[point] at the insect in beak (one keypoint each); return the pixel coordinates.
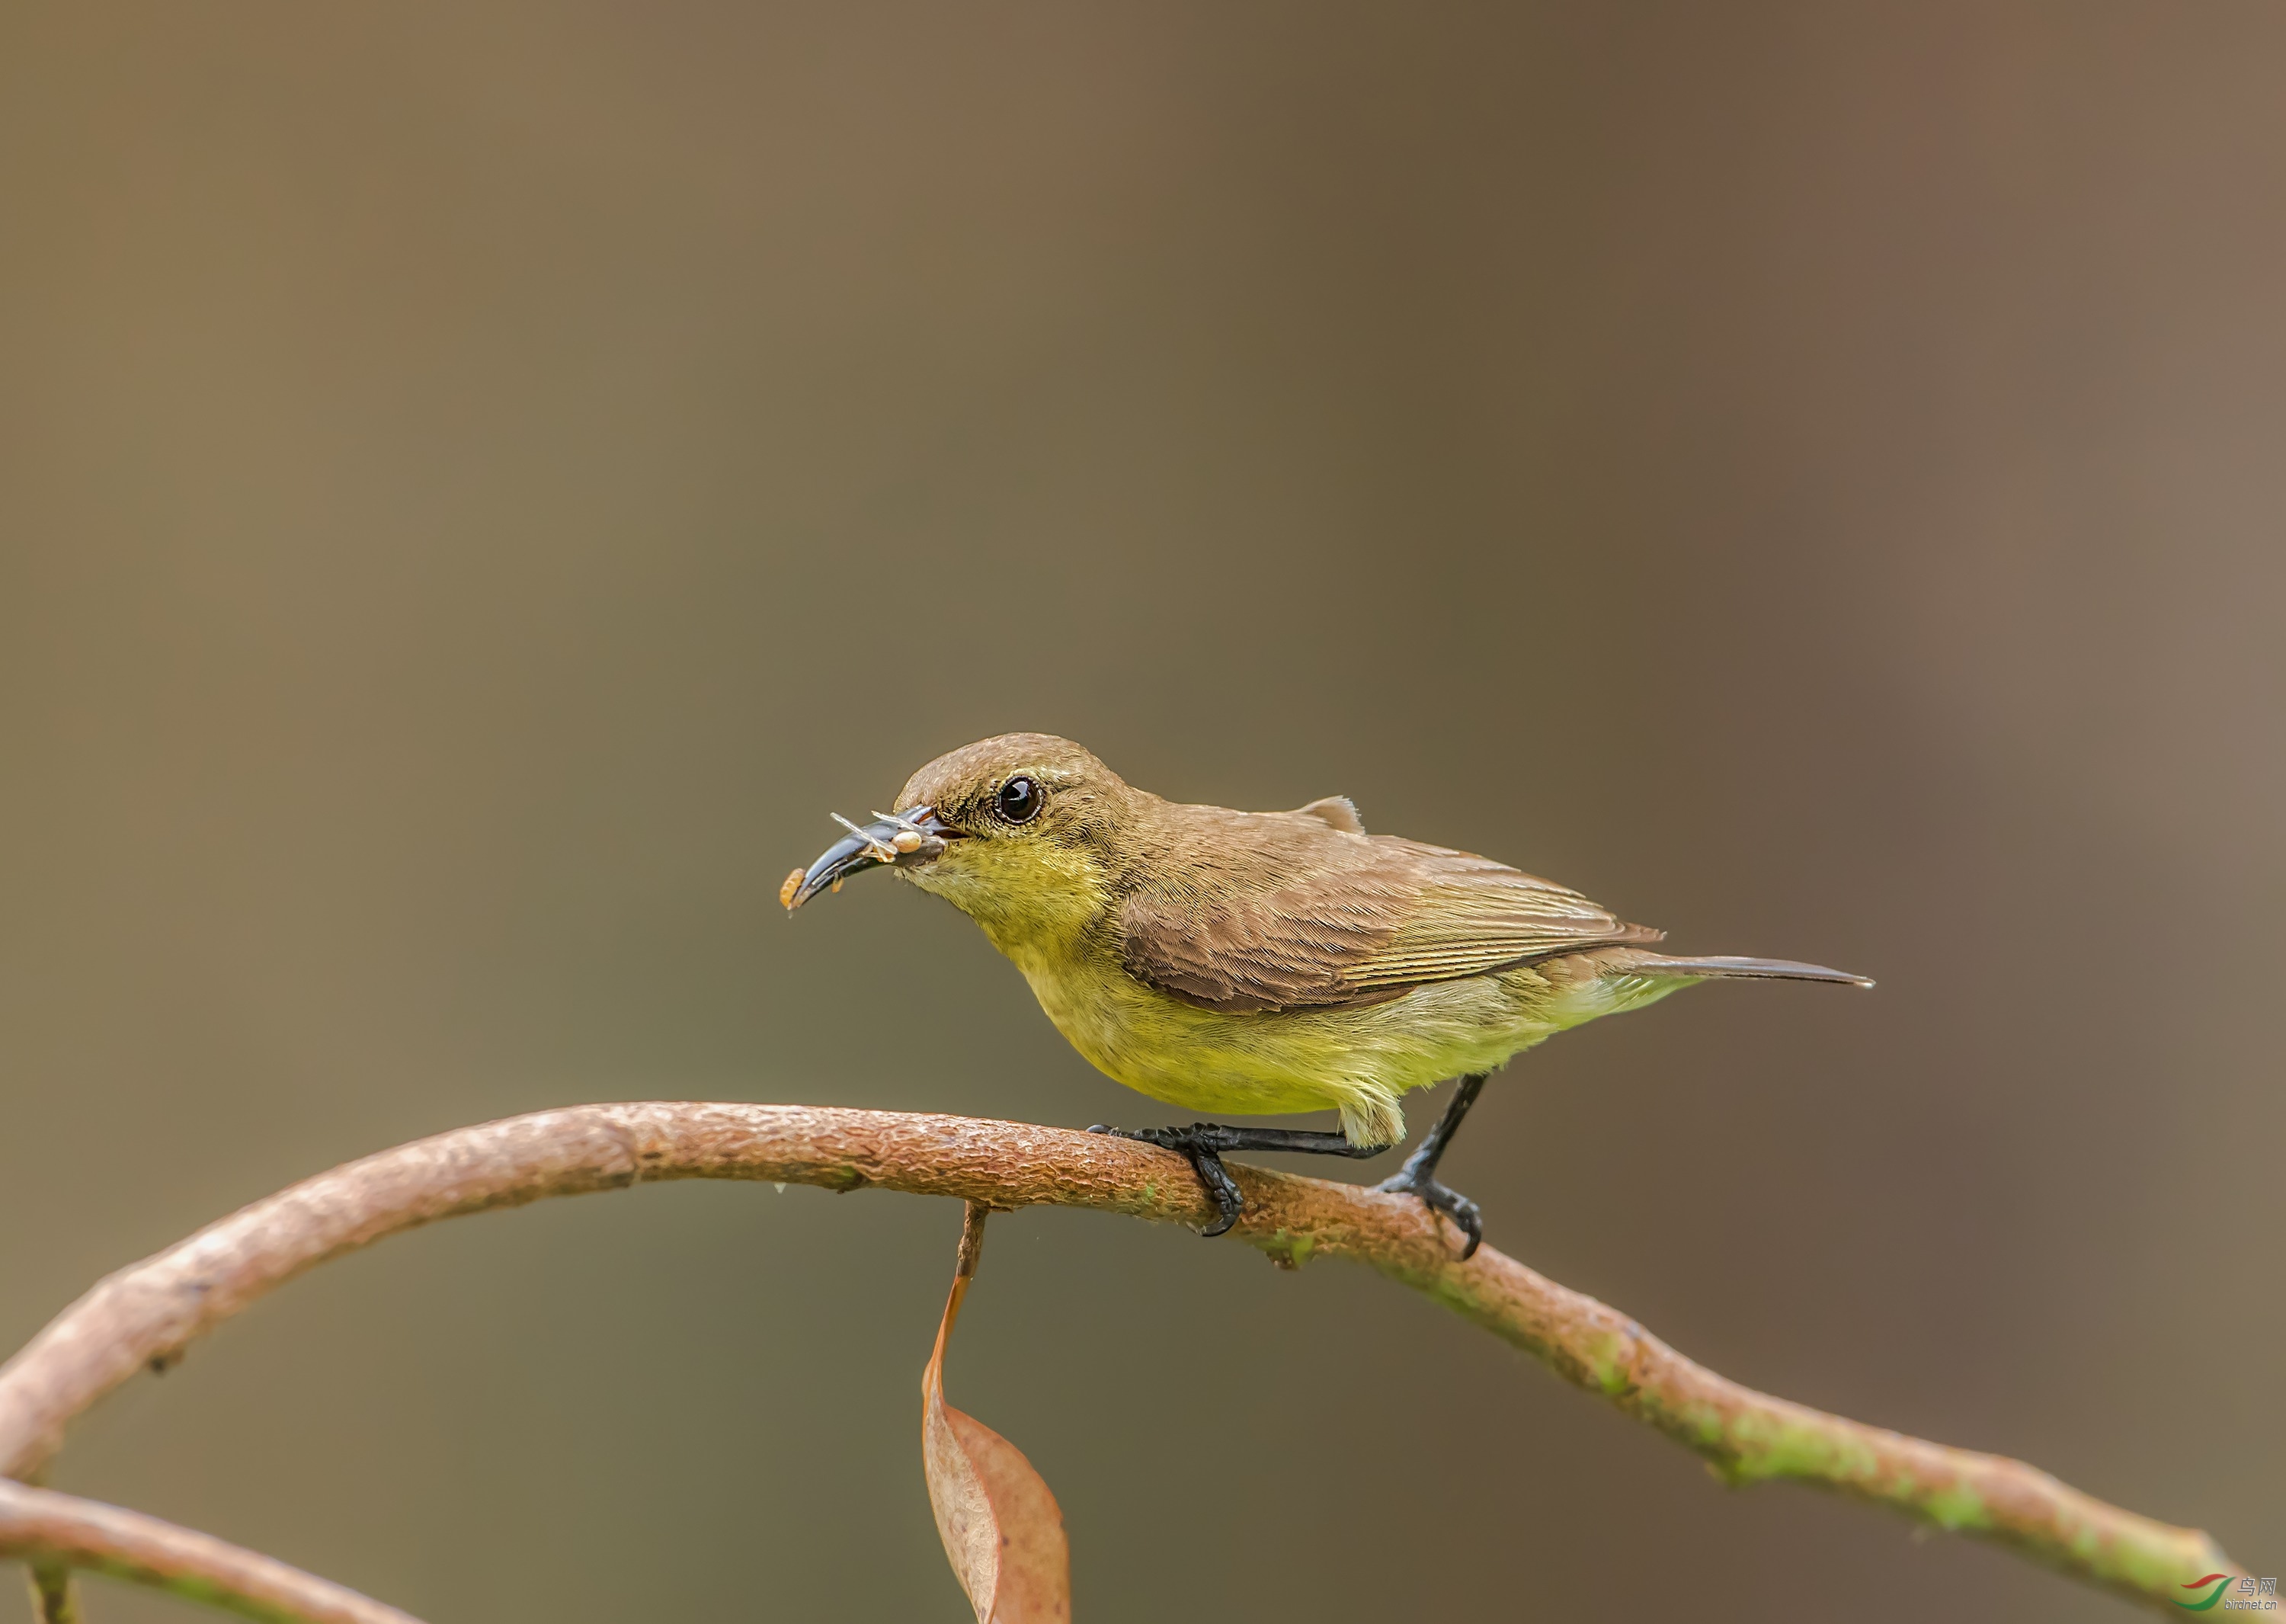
(892, 840)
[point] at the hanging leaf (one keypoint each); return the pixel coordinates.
(1003, 1532)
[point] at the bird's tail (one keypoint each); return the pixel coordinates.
(1742, 969)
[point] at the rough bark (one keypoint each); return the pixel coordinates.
(148, 1313)
(58, 1533)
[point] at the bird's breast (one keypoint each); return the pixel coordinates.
(1104, 1013)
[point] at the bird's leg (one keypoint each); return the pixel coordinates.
(1418, 1176)
(1204, 1143)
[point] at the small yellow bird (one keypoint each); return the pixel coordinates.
(1261, 962)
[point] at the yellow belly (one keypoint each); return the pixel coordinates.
(1357, 1060)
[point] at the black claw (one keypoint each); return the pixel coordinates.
(1441, 1198)
(1418, 1176)
(1200, 1144)
(1464, 1212)
(1227, 1200)
(1203, 1143)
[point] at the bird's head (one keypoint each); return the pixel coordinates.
(1017, 832)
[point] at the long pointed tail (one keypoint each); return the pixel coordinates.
(1743, 969)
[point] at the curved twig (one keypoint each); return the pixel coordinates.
(148, 1313)
(56, 1532)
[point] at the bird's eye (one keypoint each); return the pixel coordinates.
(1021, 800)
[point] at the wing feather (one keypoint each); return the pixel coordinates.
(1267, 911)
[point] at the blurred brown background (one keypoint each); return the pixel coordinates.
(478, 483)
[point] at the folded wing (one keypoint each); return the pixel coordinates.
(1348, 918)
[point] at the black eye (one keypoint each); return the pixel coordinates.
(1020, 799)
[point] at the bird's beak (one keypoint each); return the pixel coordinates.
(905, 839)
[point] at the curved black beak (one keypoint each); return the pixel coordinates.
(905, 839)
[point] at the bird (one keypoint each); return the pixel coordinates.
(1262, 963)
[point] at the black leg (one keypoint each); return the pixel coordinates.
(1204, 1143)
(1418, 1176)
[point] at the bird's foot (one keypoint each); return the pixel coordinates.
(1204, 1143)
(1440, 1198)
(1200, 1143)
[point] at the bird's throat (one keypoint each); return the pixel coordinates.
(1041, 908)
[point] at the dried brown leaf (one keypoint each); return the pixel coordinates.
(1002, 1531)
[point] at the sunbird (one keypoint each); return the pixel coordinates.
(1262, 963)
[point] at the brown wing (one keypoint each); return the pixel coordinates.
(1323, 917)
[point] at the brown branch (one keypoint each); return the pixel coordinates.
(56, 1533)
(149, 1314)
